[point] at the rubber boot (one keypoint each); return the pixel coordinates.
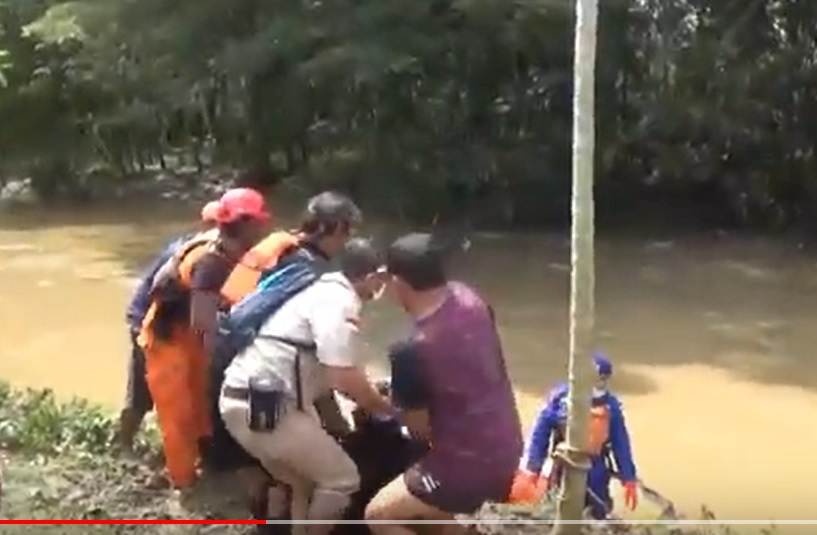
(262, 509)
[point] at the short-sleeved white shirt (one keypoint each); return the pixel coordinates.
(326, 314)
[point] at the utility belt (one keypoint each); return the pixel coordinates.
(267, 403)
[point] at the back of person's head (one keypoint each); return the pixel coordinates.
(418, 260)
(328, 212)
(359, 259)
(210, 214)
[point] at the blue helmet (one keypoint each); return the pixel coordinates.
(603, 365)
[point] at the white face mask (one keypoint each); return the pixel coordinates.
(599, 392)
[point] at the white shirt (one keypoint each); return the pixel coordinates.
(326, 314)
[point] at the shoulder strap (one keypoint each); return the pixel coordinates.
(173, 268)
(192, 255)
(299, 346)
(247, 272)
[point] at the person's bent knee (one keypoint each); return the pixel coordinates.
(332, 496)
(376, 512)
(345, 481)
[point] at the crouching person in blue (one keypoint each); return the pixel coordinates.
(609, 444)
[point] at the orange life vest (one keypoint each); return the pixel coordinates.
(170, 293)
(191, 253)
(177, 270)
(599, 429)
(265, 255)
(173, 282)
(599, 432)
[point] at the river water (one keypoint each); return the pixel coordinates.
(712, 338)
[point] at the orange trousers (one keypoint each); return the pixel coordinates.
(177, 376)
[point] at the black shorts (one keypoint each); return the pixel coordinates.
(137, 393)
(454, 496)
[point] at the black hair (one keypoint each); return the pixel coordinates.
(359, 258)
(327, 211)
(235, 229)
(419, 260)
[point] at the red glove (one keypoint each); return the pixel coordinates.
(630, 494)
(527, 488)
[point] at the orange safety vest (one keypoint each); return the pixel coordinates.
(599, 429)
(174, 280)
(192, 252)
(265, 255)
(172, 269)
(599, 434)
(171, 287)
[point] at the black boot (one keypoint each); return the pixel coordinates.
(260, 510)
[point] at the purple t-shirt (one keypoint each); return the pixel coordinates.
(475, 426)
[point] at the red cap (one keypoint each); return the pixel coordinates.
(210, 211)
(242, 202)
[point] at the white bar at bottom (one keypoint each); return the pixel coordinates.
(531, 522)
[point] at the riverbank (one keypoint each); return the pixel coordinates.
(59, 464)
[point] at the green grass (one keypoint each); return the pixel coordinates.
(34, 422)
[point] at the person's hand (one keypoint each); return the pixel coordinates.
(630, 494)
(383, 387)
(527, 488)
(527, 476)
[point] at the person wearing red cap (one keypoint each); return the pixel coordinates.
(209, 214)
(180, 327)
(243, 220)
(137, 396)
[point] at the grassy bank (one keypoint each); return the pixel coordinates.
(61, 463)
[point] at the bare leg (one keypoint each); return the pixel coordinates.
(395, 502)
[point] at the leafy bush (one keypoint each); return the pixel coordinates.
(36, 422)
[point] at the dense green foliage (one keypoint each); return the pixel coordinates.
(425, 105)
(35, 422)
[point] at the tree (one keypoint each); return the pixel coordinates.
(431, 106)
(582, 279)
(4, 64)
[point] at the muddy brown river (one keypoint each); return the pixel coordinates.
(713, 339)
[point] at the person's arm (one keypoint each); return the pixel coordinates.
(410, 389)
(541, 434)
(334, 322)
(353, 383)
(620, 442)
(207, 278)
(331, 415)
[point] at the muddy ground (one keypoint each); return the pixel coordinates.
(60, 464)
(101, 487)
(98, 487)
